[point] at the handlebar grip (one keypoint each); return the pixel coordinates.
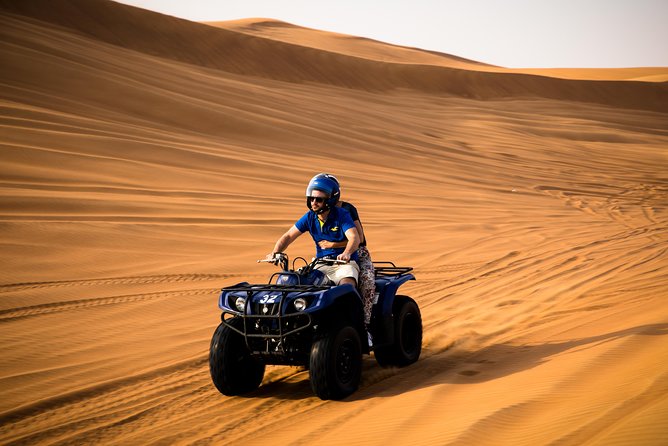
(336, 261)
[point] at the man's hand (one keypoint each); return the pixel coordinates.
(343, 257)
(325, 244)
(271, 257)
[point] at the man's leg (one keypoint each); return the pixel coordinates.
(347, 273)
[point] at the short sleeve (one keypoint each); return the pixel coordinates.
(302, 223)
(346, 221)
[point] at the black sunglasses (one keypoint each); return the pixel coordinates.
(317, 199)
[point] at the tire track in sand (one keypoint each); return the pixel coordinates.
(130, 280)
(57, 307)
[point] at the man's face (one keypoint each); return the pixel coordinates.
(317, 200)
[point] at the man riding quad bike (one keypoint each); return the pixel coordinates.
(299, 318)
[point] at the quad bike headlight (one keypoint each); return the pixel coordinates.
(300, 304)
(240, 303)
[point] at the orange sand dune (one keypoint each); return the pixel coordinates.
(147, 161)
(249, 55)
(371, 49)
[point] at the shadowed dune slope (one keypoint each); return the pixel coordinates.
(146, 161)
(245, 54)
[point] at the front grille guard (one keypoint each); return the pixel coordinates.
(281, 333)
(281, 318)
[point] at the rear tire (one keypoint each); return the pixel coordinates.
(335, 366)
(407, 345)
(233, 370)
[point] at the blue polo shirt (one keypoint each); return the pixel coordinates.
(333, 230)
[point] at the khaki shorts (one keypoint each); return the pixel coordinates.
(336, 273)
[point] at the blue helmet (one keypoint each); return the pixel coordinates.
(324, 183)
(326, 175)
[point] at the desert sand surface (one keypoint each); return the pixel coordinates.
(147, 161)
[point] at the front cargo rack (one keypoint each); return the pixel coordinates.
(275, 287)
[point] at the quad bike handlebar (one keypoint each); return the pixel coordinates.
(282, 259)
(279, 258)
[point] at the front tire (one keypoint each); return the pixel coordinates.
(335, 366)
(407, 345)
(233, 370)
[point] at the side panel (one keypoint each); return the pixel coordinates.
(328, 297)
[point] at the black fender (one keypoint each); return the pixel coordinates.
(338, 306)
(382, 320)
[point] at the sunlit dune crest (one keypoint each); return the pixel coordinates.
(371, 49)
(148, 161)
(344, 44)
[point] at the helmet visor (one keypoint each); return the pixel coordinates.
(310, 190)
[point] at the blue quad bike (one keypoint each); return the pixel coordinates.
(299, 319)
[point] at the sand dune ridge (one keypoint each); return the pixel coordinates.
(246, 54)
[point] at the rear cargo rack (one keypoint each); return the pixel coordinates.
(389, 269)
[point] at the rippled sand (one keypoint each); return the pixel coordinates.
(146, 161)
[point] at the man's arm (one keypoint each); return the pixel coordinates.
(353, 243)
(285, 240)
(326, 244)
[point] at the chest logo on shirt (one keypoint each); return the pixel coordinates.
(335, 228)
